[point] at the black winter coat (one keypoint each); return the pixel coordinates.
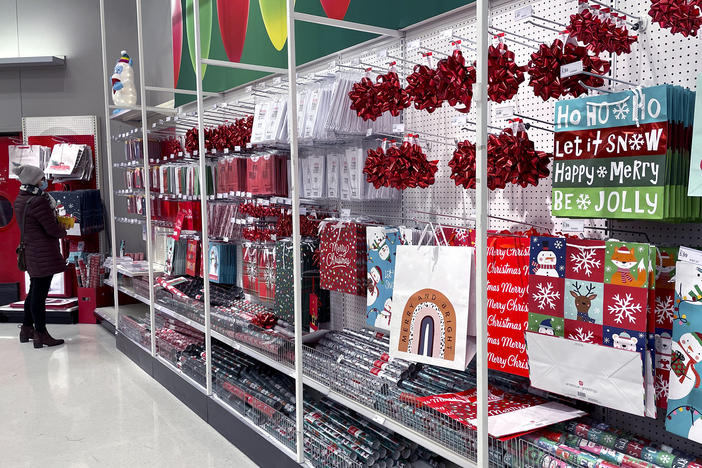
(41, 235)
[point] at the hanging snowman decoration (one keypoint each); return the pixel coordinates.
(546, 262)
(685, 354)
(123, 89)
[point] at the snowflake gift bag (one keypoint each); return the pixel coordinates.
(547, 267)
(382, 247)
(343, 257)
(684, 416)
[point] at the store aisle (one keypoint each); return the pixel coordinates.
(85, 404)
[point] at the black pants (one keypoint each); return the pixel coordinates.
(35, 303)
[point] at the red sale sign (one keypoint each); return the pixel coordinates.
(508, 315)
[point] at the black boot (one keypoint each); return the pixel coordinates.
(43, 338)
(26, 333)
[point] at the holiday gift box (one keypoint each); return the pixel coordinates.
(343, 257)
(431, 305)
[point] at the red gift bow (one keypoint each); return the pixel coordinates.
(453, 81)
(392, 97)
(308, 226)
(545, 70)
(401, 167)
(228, 136)
(258, 211)
(364, 99)
(600, 35)
(264, 320)
(511, 159)
(504, 75)
(679, 16)
(172, 146)
(421, 90)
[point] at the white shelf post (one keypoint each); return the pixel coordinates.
(147, 181)
(297, 267)
(108, 148)
(201, 150)
(481, 225)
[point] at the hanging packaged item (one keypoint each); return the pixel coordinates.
(85, 207)
(249, 273)
(382, 245)
(315, 301)
(343, 257)
(266, 273)
(31, 155)
(684, 417)
(431, 305)
(192, 258)
(585, 294)
(222, 263)
(663, 313)
(624, 156)
(507, 260)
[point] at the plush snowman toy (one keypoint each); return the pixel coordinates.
(123, 89)
(685, 353)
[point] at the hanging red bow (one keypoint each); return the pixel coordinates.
(504, 75)
(680, 16)
(453, 81)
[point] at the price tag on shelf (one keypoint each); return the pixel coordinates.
(504, 112)
(248, 195)
(180, 153)
(249, 89)
(239, 193)
(573, 226)
(459, 120)
(447, 34)
(237, 148)
(398, 128)
(168, 119)
(414, 45)
(303, 210)
(276, 80)
(378, 419)
(523, 13)
(226, 151)
(345, 213)
(690, 255)
(226, 239)
(249, 145)
(264, 202)
(571, 69)
(249, 220)
(369, 132)
(236, 346)
(381, 54)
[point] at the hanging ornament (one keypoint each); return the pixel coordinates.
(504, 75)
(680, 16)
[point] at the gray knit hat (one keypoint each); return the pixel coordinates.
(30, 175)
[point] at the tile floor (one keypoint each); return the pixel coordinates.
(85, 404)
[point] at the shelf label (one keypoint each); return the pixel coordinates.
(369, 132)
(378, 419)
(226, 151)
(237, 148)
(690, 255)
(249, 145)
(573, 225)
(447, 33)
(571, 69)
(414, 45)
(345, 212)
(523, 13)
(504, 112)
(398, 128)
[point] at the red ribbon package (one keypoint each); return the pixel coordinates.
(504, 75)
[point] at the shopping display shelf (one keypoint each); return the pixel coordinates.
(248, 422)
(182, 374)
(373, 415)
(108, 318)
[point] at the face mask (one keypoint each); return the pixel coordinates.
(43, 185)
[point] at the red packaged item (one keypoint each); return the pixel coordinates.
(192, 257)
(249, 274)
(266, 273)
(343, 257)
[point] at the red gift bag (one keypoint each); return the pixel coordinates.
(343, 257)
(249, 275)
(266, 273)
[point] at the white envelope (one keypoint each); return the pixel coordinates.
(597, 374)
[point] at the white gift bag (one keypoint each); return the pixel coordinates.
(431, 305)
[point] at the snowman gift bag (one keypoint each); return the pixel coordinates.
(684, 416)
(382, 246)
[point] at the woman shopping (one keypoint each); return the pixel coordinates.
(40, 230)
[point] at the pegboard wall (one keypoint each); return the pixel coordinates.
(657, 58)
